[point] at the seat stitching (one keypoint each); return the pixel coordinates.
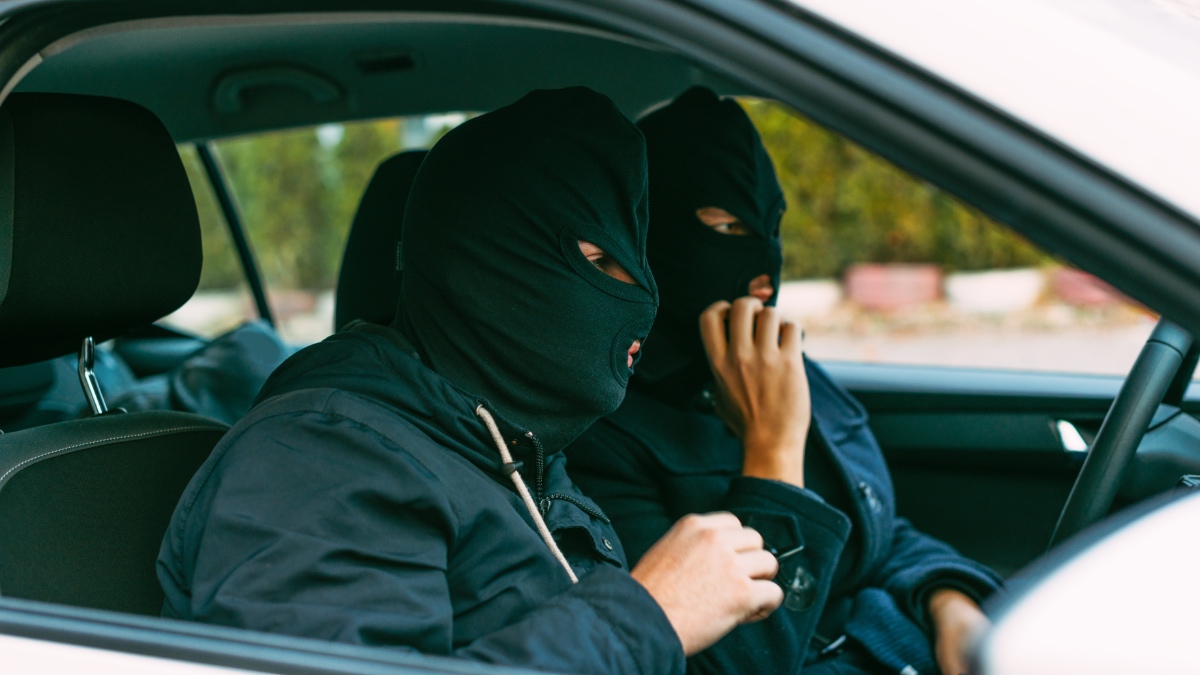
(103, 440)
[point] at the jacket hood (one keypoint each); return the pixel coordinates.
(378, 363)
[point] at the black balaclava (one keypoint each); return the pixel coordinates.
(703, 151)
(496, 294)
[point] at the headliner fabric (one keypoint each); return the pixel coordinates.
(98, 231)
(704, 151)
(496, 294)
(369, 282)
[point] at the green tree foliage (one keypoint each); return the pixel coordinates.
(846, 206)
(221, 269)
(297, 195)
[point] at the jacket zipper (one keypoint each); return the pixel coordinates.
(540, 485)
(595, 513)
(540, 463)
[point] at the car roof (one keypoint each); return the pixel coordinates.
(209, 77)
(1116, 80)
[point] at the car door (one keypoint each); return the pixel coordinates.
(978, 457)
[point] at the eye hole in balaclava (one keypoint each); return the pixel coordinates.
(496, 295)
(604, 262)
(704, 152)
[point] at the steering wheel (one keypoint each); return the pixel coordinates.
(1123, 428)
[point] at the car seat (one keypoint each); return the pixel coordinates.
(99, 234)
(369, 282)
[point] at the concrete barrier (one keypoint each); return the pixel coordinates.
(995, 291)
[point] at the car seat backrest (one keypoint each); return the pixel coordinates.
(98, 235)
(369, 282)
(84, 505)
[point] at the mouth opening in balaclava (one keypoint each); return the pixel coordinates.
(703, 152)
(496, 295)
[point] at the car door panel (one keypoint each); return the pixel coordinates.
(977, 457)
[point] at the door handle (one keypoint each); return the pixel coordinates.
(1072, 440)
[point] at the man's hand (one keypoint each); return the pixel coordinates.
(957, 622)
(762, 389)
(709, 574)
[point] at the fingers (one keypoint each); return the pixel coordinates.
(730, 529)
(744, 539)
(741, 322)
(718, 520)
(791, 338)
(766, 597)
(712, 329)
(758, 564)
(766, 332)
(747, 323)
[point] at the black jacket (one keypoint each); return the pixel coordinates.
(650, 463)
(361, 500)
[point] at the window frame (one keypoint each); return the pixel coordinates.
(237, 232)
(217, 646)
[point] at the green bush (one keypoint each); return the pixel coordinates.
(297, 196)
(847, 206)
(222, 269)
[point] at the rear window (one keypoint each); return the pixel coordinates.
(296, 192)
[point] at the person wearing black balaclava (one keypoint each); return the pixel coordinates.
(403, 485)
(724, 412)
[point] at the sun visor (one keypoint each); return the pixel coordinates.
(98, 227)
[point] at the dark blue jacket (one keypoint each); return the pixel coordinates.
(650, 463)
(361, 500)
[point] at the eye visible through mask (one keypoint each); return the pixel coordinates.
(605, 263)
(721, 221)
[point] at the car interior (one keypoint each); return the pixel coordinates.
(104, 242)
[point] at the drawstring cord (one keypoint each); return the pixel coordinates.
(522, 490)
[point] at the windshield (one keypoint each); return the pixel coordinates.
(1117, 80)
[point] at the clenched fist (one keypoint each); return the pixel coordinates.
(710, 574)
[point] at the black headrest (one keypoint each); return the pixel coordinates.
(369, 282)
(98, 227)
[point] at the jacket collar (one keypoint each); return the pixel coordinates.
(379, 363)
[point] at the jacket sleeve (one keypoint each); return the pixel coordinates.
(619, 474)
(315, 525)
(918, 564)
